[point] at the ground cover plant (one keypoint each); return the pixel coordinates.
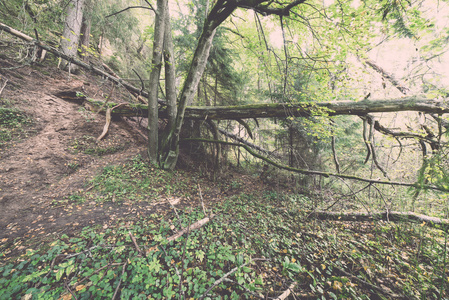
(258, 244)
(13, 123)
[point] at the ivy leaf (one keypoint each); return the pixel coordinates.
(59, 274)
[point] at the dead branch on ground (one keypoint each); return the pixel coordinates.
(3, 87)
(194, 226)
(392, 216)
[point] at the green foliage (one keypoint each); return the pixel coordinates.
(132, 182)
(88, 145)
(46, 16)
(12, 124)
(330, 260)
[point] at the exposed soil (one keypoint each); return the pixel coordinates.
(39, 171)
(46, 166)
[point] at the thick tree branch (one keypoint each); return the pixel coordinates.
(266, 10)
(325, 174)
(283, 110)
(388, 76)
(249, 144)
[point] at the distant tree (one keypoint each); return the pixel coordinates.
(72, 30)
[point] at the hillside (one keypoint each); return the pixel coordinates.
(81, 219)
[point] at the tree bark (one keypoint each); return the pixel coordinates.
(156, 64)
(71, 33)
(85, 38)
(170, 147)
(170, 73)
(284, 110)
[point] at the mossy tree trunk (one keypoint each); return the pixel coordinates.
(221, 10)
(71, 33)
(170, 146)
(156, 64)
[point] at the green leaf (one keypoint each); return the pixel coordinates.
(59, 274)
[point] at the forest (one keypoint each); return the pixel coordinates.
(225, 149)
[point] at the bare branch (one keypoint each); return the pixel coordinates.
(320, 173)
(130, 7)
(226, 275)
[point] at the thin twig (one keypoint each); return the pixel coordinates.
(176, 213)
(174, 265)
(226, 275)
(181, 292)
(70, 291)
(129, 7)
(135, 243)
(369, 285)
(201, 197)
(260, 296)
(3, 87)
(141, 82)
(287, 292)
(120, 281)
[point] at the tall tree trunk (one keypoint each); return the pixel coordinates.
(71, 33)
(156, 64)
(170, 73)
(170, 147)
(85, 37)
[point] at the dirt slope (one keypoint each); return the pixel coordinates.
(46, 166)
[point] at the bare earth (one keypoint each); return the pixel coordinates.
(37, 171)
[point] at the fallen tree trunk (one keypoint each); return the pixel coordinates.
(392, 216)
(281, 110)
(75, 61)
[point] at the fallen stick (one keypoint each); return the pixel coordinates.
(135, 242)
(369, 285)
(3, 87)
(194, 226)
(108, 121)
(226, 275)
(394, 216)
(120, 281)
(287, 292)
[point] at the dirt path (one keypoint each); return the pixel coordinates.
(46, 166)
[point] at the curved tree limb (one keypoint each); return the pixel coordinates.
(246, 126)
(249, 144)
(365, 139)
(325, 174)
(334, 154)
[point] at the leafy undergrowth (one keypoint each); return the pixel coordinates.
(12, 123)
(253, 247)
